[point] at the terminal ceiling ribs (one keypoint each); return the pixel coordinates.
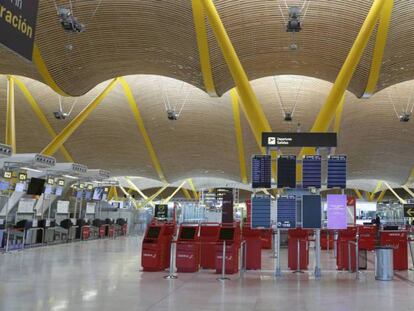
(127, 37)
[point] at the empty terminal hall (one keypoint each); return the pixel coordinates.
(202, 155)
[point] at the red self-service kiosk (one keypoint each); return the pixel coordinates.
(188, 249)
(209, 236)
(253, 248)
(398, 240)
(231, 236)
(344, 236)
(156, 247)
(298, 237)
(367, 237)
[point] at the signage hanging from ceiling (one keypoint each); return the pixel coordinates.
(18, 24)
(299, 139)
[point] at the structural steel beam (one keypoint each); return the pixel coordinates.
(408, 191)
(187, 194)
(10, 115)
(328, 110)
(175, 192)
(140, 123)
(41, 116)
(67, 132)
(358, 193)
(42, 69)
(203, 49)
(395, 193)
(191, 184)
(250, 104)
(239, 134)
(380, 43)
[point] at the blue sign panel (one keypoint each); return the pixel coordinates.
(337, 172)
(261, 212)
(286, 171)
(311, 212)
(311, 171)
(261, 171)
(286, 212)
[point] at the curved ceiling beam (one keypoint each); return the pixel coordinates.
(42, 69)
(141, 126)
(380, 43)
(344, 77)
(203, 49)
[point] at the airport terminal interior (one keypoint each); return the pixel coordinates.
(206, 155)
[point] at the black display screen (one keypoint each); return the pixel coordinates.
(261, 171)
(286, 171)
(187, 233)
(153, 232)
(36, 186)
(226, 234)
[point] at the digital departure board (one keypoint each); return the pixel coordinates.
(312, 171)
(261, 171)
(286, 212)
(286, 171)
(260, 212)
(337, 171)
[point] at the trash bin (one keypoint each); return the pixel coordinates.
(384, 263)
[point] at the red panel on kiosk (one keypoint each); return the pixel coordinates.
(209, 235)
(295, 235)
(398, 241)
(188, 249)
(253, 248)
(367, 237)
(344, 236)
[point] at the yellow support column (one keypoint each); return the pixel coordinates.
(63, 136)
(203, 50)
(141, 126)
(250, 104)
(380, 43)
(328, 110)
(10, 115)
(239, 134)
(41, 116)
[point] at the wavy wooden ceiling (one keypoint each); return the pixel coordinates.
(158, 37)
(202, 142)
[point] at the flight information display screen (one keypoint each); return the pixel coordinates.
(261, 171)
(286, 171)
(312, 171)
(337, 171)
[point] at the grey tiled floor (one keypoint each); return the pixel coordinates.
(105, 275)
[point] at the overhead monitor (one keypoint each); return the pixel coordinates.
(261, 171)
(286, 171)
(312, 171)
(36, 186)
(337, 172)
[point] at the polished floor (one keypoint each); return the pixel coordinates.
(106, 275)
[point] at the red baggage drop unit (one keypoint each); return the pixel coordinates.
(156, 246)
(253, 248)
(398, 240)
(230, 234)
(188, 249)
(293, 236)
(344, 236)
(367, 237)
(209, 235)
